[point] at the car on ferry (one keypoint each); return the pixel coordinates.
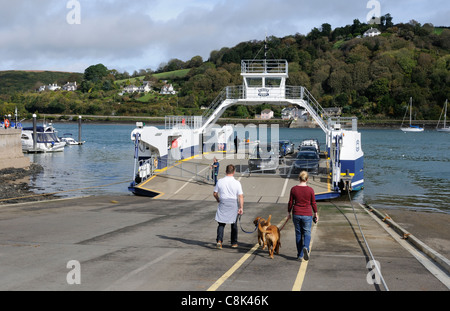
(310, 143)
(286, 147)
(263, 158)
(306, 161)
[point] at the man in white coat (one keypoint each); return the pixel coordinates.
(228, 193)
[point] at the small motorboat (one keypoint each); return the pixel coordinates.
(70, 141)
(46, 140)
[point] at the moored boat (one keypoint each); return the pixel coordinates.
(46, 140)
(410, 128)
(67, 138)
(445, 127)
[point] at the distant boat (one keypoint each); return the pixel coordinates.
(445, 128)
(410, 128)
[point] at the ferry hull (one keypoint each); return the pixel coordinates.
(356, 170)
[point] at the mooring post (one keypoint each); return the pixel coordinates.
(79, 130)
(34, 132)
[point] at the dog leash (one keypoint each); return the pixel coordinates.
(240, 224)
(287, 219)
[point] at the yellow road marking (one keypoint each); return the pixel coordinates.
(302, 271)
(236, 266)
(233, 269)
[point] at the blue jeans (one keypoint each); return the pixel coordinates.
(234, 233)
(302, 225)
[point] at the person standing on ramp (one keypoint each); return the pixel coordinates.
(228, 193)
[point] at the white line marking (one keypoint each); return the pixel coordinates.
(139, 270)
(286, 182)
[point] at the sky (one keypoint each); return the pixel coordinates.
(71, 35)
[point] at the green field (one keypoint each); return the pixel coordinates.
(177, 74)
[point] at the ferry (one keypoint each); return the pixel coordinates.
(185, 138)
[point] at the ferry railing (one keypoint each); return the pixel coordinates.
(199, 172)
(192, 122)
(146, 169)
(229, 92)
(289, 92)
(275, 66)
(217, 101)
(300, 92)
(343, 123)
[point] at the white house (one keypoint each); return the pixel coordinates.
(50, 87)
(70, 86)
(53, 87)
(130, 88)
(266, 114)
(372, 32)
(145, 87)
(291, 113)
(167, 89)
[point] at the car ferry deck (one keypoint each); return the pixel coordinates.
(191, 179)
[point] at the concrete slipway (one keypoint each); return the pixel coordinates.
(136, 243)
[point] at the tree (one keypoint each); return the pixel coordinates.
(195, 61)
(95, 73)
(314, 34)
(326, 30)
(175, 64)
(242, 112)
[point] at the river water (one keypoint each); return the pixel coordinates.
(401, 170)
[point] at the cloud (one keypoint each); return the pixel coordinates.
(130, 35)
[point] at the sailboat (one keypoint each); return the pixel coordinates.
(445, 128)
(411, 128)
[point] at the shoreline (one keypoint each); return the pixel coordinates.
(15, 185)
(131, 120)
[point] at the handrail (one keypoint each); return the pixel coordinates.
(270, 66)
(290, 92)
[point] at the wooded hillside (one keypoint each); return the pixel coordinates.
(371, 77)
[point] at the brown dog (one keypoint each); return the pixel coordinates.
(273, 238)
(264, 224)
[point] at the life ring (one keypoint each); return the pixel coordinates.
(174, 143)
(7, 123)
(155, 163)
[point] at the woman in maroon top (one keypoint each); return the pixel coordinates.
(302, 203)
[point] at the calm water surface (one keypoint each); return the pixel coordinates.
(402, 170)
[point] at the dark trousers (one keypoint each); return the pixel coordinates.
(234, 233)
